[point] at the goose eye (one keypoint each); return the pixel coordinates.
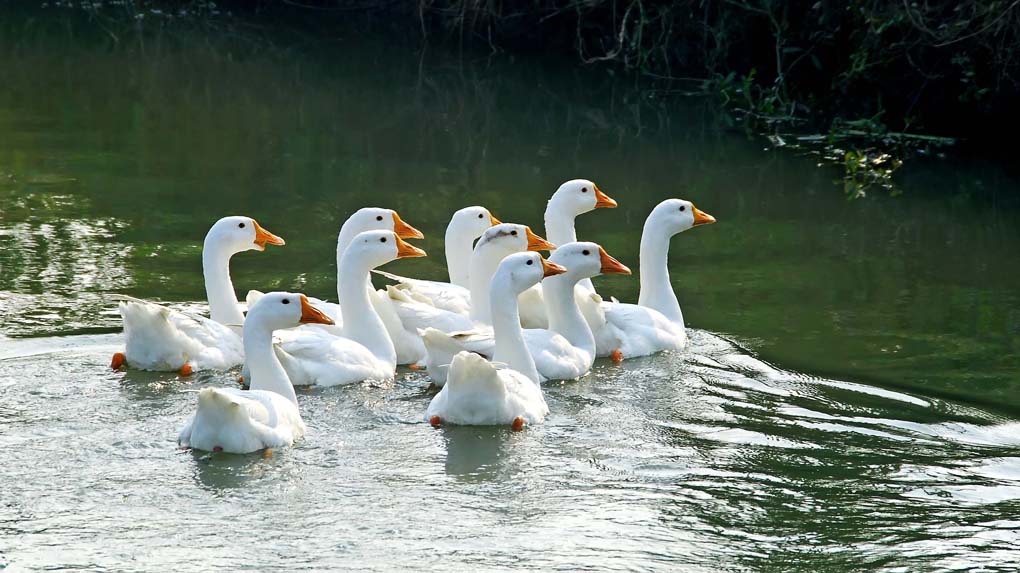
(378, 217)
(382, 239)
(531, 262)
(481, 216)
(514, 233)
(240, 225)
(584, 189)
(285, 301)
(586, 252)
(683, 208)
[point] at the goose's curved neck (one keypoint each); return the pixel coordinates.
(219, 290)
(507, 331)
(656, 290)
(559, 223)
(265, 369)
(565, 317)
(458, 254)
(361, 321)
(343, 240)
(484, 262)
(559, 229)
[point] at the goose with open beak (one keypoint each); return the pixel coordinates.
(161, 339)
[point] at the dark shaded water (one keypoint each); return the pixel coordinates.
(849, 401)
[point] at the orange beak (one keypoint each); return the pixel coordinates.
(264, 237)
(312, 315)
(493, 220)
(405, 231)
(701, 217)
(611, 266)
(602, 200)
(536, 243)
(407, 250)
(550, 268)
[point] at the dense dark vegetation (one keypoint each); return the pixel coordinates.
(901, 66)
(939, 66)
(891, 68)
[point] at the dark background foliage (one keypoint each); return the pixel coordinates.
(934, 66)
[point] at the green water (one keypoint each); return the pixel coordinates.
(849, 401)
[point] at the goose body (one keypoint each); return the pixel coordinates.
(266, 416)
(241, 421)
(565, 351)
(161, 339)
(480, 392)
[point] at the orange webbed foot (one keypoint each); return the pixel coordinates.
(436, 421)
(518, 424)
(616, 356)
(118, 360)
(185, 370)
(414, 367)
(240, 380)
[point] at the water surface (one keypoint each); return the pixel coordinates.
(849, 401)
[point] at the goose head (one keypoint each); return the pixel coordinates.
(585, 260)
(579, 196)
(279, 310)
(677, 215)
(521, 271)
(238, 234)
(512, 238)
(376, 248)
(472, 221)
(379, 219)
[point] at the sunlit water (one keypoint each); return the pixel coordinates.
(848, 402)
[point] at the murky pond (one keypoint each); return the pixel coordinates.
(849, 402)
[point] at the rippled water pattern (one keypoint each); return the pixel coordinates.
(898, 452)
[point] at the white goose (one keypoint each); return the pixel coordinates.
(566, 350)
(656, 322)
(266, 416)
(364, 351)
(161, 339)
(465, 226)
(480, 392)
(573, 198)
(366, 219)
(496, 243)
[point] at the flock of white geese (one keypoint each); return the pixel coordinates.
(507, 320)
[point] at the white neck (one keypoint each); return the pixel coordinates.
(559, 230)
(484, 262)
(656, 290)
(343, 240)
(565, 317)
(458, 254)
(218, 288)
(361, 322)
(507, 331)
(559, 223)
(265, 369)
